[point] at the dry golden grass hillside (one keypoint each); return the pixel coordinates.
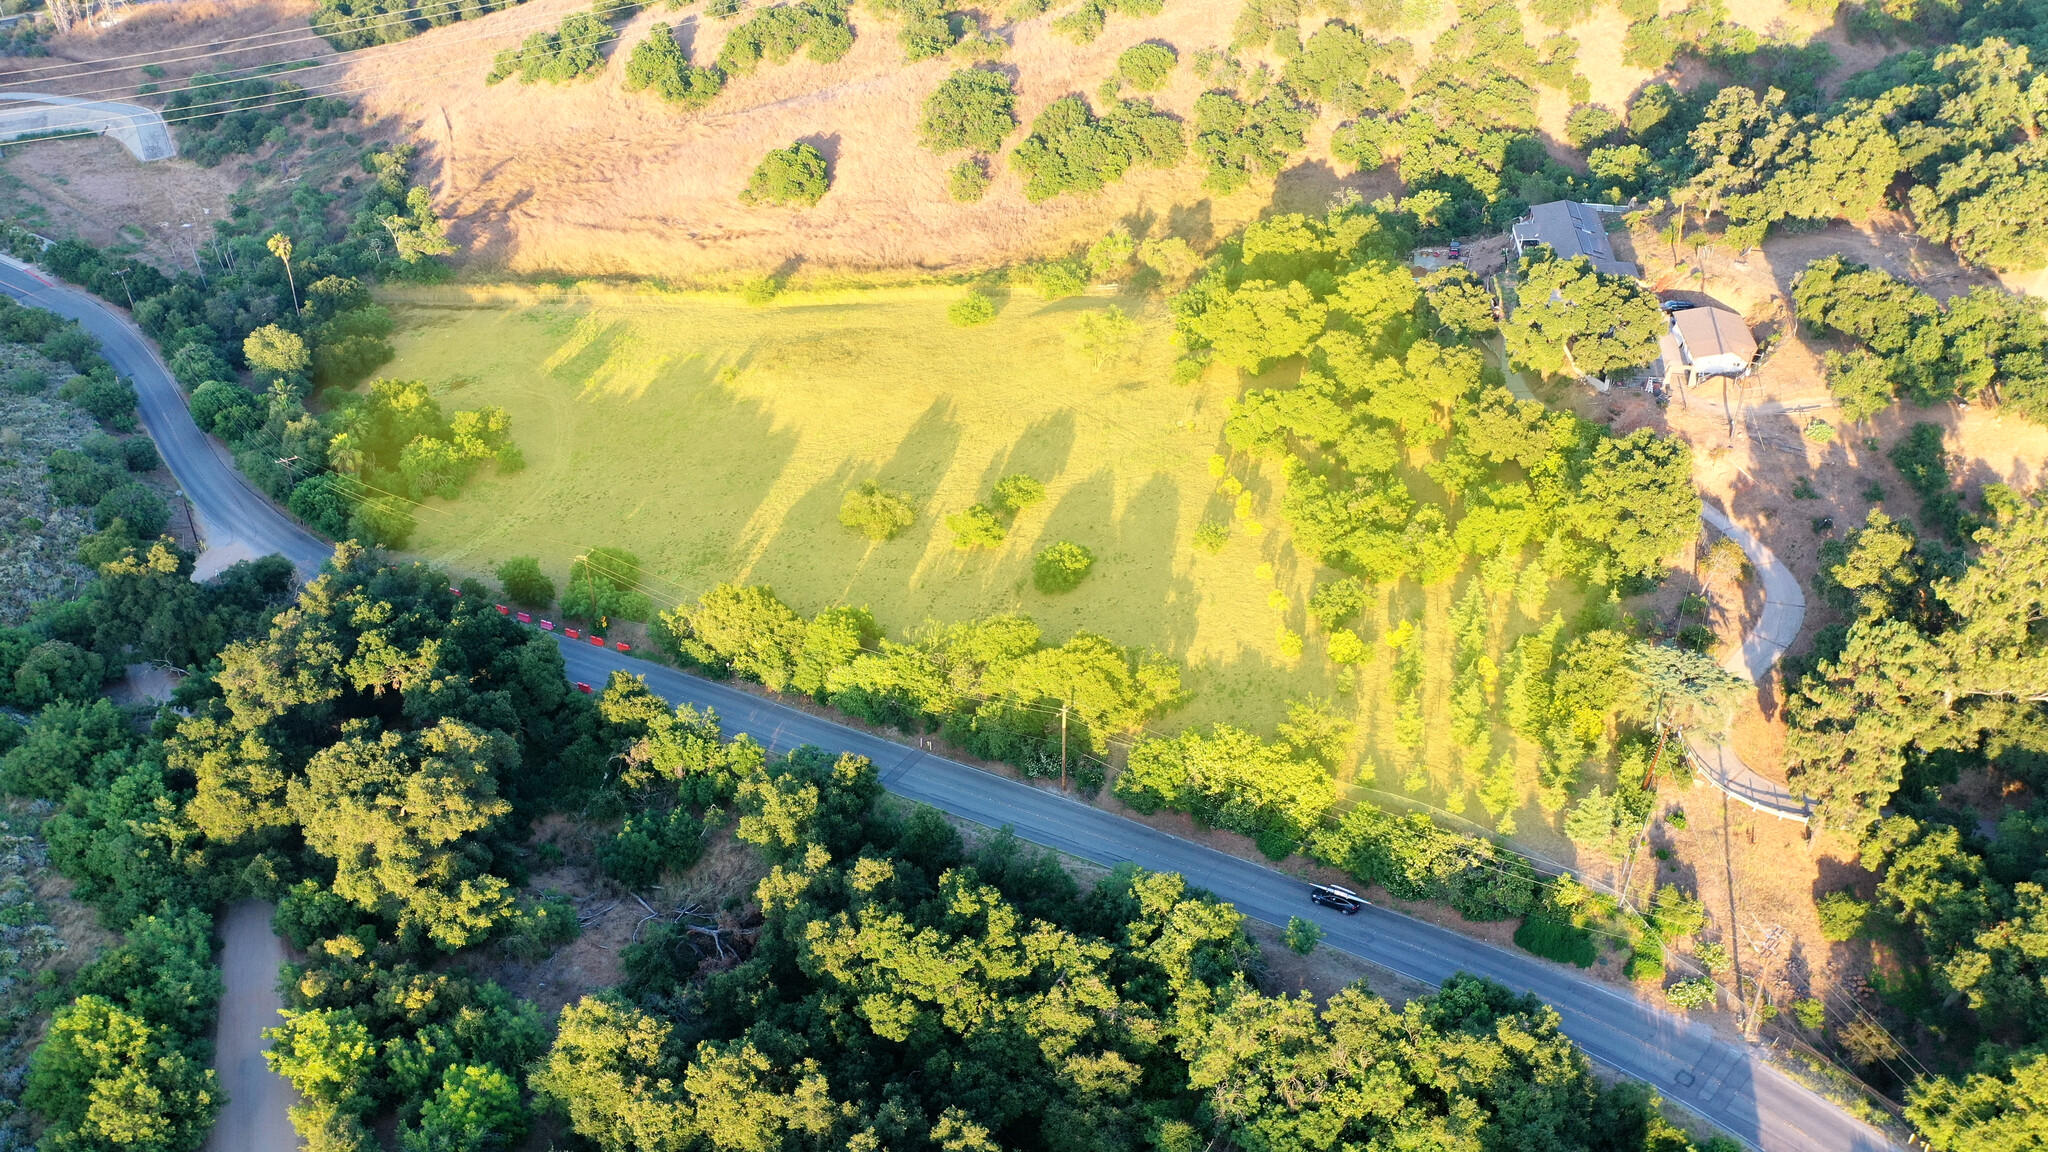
(590, 179)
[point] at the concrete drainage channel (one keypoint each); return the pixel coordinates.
(34, 115)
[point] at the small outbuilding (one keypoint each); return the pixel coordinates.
(1571, 229)
(1706, 340)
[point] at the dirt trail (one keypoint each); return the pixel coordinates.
(255, 1119)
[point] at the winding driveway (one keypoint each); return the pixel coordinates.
(1685, 1060)
(1784, 612)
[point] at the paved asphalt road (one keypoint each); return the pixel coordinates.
(1682, 1059)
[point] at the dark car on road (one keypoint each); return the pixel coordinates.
(1341, 899)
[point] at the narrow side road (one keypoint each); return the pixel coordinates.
(257, 1117)
(1684, 1060)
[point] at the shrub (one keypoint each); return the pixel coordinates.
(559, 55)
(525, 583)
(1060, 567)
(972, 309)
(1017, 491)
(1336, 602)
(605, 583)
(1861, 383)
(1677, 914)
(760, 291)
(1238, 140)
(1288, 643)
(1070, 150)
(1820, 431)
(224, 409)
(76, 478)
(108, 398)
(975, 528)
(141, 508)
(1812, 1014)
(1842, 916)
(974, 109)
(138, 454)
(1302, 936)
(27, 381)
(1059, 279)
(1645, 963)
(1555, 940)
(776, 34)
(875, 512)
(792, 175)
(1172, 257)
(1146, 67)
(658, 62)
(1346, 647)
(1697, 992)
(1590, 125)
(1212, 537)
(1714, 955)
(967, 182)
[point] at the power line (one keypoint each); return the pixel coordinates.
(527, 21)
(289, 35)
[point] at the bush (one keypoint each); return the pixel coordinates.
(760, 291)
(220, 407)
(972, 309)
(1591, 125)
(1842, 916)
(1645, 963)
(658, 62)
(1060, 567)
(1071, 151)
(138, 454)
(973, 109)
(141, 508)
(1059, 279)
(792, 175)
(1017, 491)
(776, 34)
(968, 180)
(1553, 940)
(1714, 955)
(525, 583)
(108, 398)
(876, 512)
(1146, 67)
(604, 583)
(1346, 647)
(1812, 1014)
(567, 52)
(76, 478)
(1302, 936)
(975, 528)
(1697, 992)
(1212, 537)
(56, 670)
(27, 381)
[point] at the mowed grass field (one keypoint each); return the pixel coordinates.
(715, 440)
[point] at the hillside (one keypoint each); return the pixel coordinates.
(588, 178)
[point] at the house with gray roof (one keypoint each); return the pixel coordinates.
(1571, 229)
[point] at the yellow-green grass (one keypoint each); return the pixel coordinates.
(716, 440)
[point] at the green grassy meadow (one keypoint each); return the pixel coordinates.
(716, 440)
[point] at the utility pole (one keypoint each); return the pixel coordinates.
(1063, 745)
(123, 274)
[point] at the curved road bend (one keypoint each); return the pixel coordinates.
(1681, 1058)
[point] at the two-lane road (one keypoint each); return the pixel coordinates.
(1682, 1059)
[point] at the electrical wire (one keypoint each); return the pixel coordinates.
(290, 35)
(527, 21)
(317, 91)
